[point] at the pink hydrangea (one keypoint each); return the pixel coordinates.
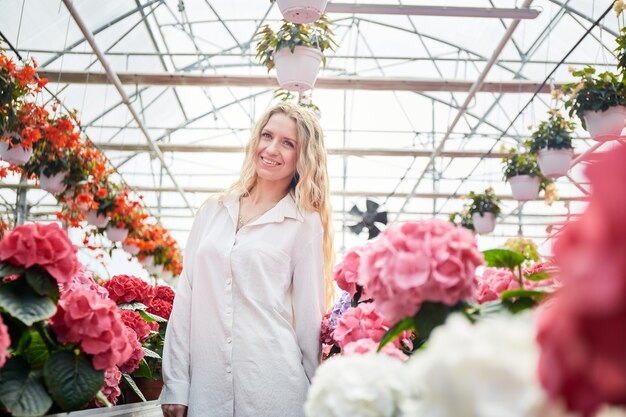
(346, 273)
(5, 342)
(134, 321)
(137, 354)
(493, 282)
(83, 279)
(160, 308)
(127, 288)
(111, 388)
(46, 245)
(419, 261)
(363, 322)
(83, 317)
(326, 331)
(363, 346)
(165, 293)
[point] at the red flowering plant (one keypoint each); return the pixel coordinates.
(127, 213)
(145, 310)
(63, 334)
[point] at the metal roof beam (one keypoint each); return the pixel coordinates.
(442, 11)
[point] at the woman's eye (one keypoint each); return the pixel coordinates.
(266, 135)
(289, 143)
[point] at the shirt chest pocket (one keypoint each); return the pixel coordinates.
(267, 275)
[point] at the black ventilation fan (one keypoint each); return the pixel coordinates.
(368, 219)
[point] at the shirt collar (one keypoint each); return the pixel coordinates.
(286, 207)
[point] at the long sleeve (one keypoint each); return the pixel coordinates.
(308, 295)
(176, 351)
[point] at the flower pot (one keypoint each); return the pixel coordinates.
(148, 260)
(302, 11)
(154, 269)
(54, 184)
(297, 71)
(116, 234)
(555, 163)
(83, 206)
(131, 249)
(167, 276)
(150, 388)
(15, 155)
(524, 187)
(484, 223)
(95, 219)
(606, 125)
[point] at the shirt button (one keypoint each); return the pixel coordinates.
(228, 311)
(228, 281)
(229, 369)
(229, 340)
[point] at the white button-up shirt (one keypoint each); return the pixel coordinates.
(243, 337)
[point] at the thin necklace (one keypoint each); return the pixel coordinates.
(243, 222)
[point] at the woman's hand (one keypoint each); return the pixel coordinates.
(174, 410)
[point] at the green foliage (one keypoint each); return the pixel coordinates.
(131, 383)
(594, 93)
(317, 35)
(21, 301)
(21, 389)
(524, 246)
(395, 331)
(486, 202)
(554, 133)
(462, 218)
(523, 163)
(620, 51)
(503, 258)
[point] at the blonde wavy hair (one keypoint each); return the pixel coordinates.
(310, 186)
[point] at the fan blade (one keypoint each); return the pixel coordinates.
(371, 205)
(381, 217)
(355, 211)
(373, 232)
(356, 228)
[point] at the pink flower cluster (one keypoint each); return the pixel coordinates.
(5, 342)
(419, 261)
(346, 273)
(137, 352)
(364, 322)
(134, 321)
(363, 346)
(165, 293)
(127, 288)
(326, 331)
(82, 279)
(494, 281)
(160, 308)
(111, 388)
(46, 245)
(83, 317)
(581, 333)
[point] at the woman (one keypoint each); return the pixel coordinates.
(243, 337)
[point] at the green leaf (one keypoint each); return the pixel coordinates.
(503, 258)
(540, 276)
(521, 304)
(150, 354)
(22, 302)
(71, 379)
(7, 269)
(143, 371)
(103, 399)
(42, 282)
(21, 390)
(37, 352)
(131, 383)
(149, 317)
(429, 316)
(135, 305)
(395, 331)
(507, 295)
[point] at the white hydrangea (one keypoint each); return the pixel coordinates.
(370, 385)
(488, 369)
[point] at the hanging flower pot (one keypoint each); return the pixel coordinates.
(147, 260)
(54, 184)
(167, 276)
(130, 248)
(484, 223)
(524, 187)
(154, 269)
(555, 163)
(116, 234)
(95, 219)
(297, 71)
(15, 155)
(606, 125)
(302, 11)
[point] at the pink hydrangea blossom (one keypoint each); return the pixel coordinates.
(128, 288)
(134, 321)
(5, 342)
(419, 261)
(326, 331)
(493, 282)
(364, 322)
(363, 346)
(83, 317)
(346, 272)
(83, 279)
(46, 245)
(160, 308)
(137, 355)
(111, 388)
(165, 293)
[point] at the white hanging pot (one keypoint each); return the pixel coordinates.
(95, 219)
(154, 269)
(147, 260)
(484, 223)
(130, 248)
(302, 11)
(54, 184)
(167, 276)
(116, 234)
(606, 125)
(15, 155)
(297, 71)
(524, 187)
(555, 163)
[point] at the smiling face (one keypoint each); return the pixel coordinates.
(277, 151)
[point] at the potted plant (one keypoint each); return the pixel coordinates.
(126, 216)
(552, 143)
(599, 102)
(462, 218)
(296, 52)
(522, 171)
(103, 201)
(301, 11)
(484, 208)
